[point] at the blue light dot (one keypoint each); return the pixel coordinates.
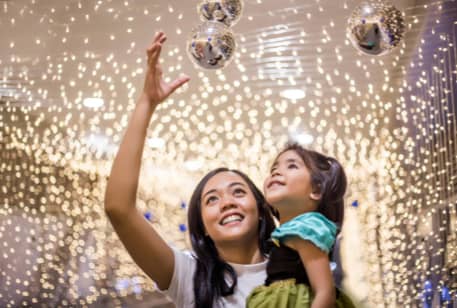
(182, 228)
(148, 215)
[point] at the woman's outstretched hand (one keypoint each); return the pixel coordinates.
(156, 90)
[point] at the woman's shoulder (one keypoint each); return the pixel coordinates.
(181, 288)
(184, 256)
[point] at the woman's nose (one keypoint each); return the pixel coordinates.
(227, 203)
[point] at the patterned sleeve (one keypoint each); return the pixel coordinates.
(311, 226)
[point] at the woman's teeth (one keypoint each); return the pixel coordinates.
(231, 218)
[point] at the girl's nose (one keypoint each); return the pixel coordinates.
(276, 172)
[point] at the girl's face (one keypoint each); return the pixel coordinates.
(288, 187)
(229, 210)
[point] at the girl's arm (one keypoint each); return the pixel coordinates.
(317, 267)
(147, 248)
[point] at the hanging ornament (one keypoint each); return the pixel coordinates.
(376, 27)
(227, 12)
(211, 45)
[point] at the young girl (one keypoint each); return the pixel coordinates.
(307, 188)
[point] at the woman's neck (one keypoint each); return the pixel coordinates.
(239, 254)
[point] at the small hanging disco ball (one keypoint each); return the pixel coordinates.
(376, 27)
(227, 12)
(211, 45)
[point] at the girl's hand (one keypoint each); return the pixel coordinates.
(156, 90)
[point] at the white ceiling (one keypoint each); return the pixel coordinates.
(56, 53)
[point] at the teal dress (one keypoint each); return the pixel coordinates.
(287, 284)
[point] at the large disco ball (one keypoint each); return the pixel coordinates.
(376, 27)
(225, 11)
(211, 45)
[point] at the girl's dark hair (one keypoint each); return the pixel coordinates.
(327, 177)
(209, 277)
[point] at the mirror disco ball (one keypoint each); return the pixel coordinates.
(376, 28)
(226, 11)
(211, 45)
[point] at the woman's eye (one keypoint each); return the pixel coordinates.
(211, 199)
(239, 192)
(292, 166)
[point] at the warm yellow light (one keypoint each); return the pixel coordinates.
(293, 94)
(93, 102)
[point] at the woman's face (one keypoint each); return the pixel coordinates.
(229, 209)
(288, 186)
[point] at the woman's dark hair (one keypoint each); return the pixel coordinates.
(327, 177)
(209, 277)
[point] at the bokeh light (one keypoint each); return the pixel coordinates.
(390, 120)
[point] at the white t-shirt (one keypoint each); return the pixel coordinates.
(181, 290)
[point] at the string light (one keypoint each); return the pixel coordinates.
(395, 135)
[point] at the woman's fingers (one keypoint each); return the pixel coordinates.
(156, 39)
(158, 36)
(178, 82)
(155, 50)
(155, 54)
(159, 39)
(155, 83)
(162, 38)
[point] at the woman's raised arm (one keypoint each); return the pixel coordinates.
(147, 248)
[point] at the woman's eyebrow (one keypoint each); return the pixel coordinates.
(208, 192)
(215, 190)
(236, 183)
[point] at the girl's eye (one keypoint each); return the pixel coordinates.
(292, 166)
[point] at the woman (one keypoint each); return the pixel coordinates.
(229, 221)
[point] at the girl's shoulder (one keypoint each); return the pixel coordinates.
(313, 218)
(312, 226)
